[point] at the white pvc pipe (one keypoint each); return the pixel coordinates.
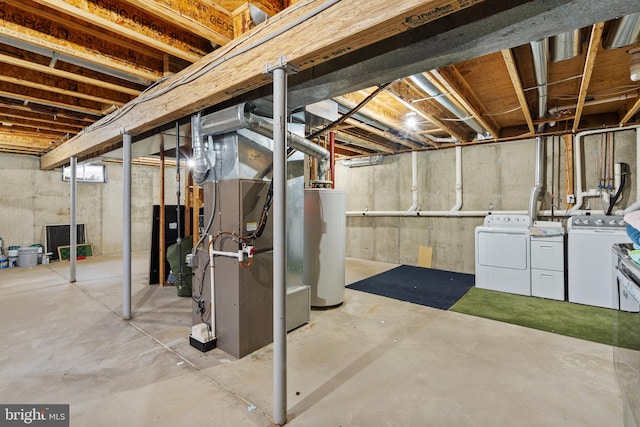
(73, 229)
(580, 194)
(458, 204)
(414, 181)
(212, 287)
(443, 214)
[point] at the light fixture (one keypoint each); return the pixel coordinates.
(635, 65)
(411, 121)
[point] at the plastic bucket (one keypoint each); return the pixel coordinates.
(13, 261)
(28, 257)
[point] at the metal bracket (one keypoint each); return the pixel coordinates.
(281, 64)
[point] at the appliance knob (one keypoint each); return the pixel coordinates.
(612, 221)
(585, 222)
(577, 222)
(507, 219)
(621, 222)
(599, 221)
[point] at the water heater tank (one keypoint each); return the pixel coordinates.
(324, 245)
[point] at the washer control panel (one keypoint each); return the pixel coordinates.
(597, 221)
(508, 221)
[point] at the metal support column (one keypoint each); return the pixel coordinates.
(279, 243)
(126, 227)
(73, 228)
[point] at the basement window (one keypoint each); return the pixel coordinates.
(86, 173)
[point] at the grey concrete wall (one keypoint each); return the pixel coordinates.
(501, 175)
(31, 198)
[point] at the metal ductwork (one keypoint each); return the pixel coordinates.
(624, 31)
(566, 46)
(240, 117)
(540, 51)
(424, 84)
(202, 165)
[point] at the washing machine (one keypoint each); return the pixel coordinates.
(589, 258)
(503, 261)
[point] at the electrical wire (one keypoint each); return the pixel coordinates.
(192, 75)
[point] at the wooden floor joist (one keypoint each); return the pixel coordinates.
(237, 68)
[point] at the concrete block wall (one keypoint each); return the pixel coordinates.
(501, 175)
(31, 198)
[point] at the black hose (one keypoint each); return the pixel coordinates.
(624, 168)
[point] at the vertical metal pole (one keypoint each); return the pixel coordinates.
(279, 246)
(73, 229)
(126, 227)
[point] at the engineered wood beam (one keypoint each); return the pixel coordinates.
(589, 63)
(11, 140)
(53, 103)
(233, 70)
(59, 39)
(454, 83)
(206, 19)
(28, 65)
(131, 24)
(61, 91)
(517, 87)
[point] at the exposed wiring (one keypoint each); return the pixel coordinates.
(194, 74)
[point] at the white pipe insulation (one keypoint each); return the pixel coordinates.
(579, 147)
(414, 181)
(458, 204)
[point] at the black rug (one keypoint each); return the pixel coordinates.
(425, 286)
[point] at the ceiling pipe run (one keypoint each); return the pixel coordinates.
(540, 51)
(424, 84)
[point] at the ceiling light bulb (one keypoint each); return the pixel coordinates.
(411, 122)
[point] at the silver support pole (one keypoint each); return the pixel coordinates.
(126, 227)
(279, 245)
(73, 229)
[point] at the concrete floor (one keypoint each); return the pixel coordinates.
(372, 362)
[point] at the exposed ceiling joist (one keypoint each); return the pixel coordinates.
(455, 84)
(632, 112)
(28, 65)
(50, 102)
(124, 22)
(517, 86)
(592, 52)
(205, 19)
(428, 110)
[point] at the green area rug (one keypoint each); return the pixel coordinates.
(574, 320)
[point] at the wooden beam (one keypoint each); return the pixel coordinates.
(82, 120)
(66, 75)
(359, 142)
(242, 21)
(9, 139)
(38, 126)
(45, 101)
(384, 134)
(590, 61)
(406, 93)
(130, 66)
(61, 91)
(67, 127)
(632, 111)
(130, 24)
(188, 92)
(205, 19)
(517, 86)
(455, 84)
